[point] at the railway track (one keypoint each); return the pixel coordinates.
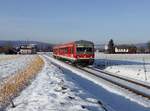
(121, 77)
(130, 85)
(105, 106)
(133, 86)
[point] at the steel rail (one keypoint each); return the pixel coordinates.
(129, 88)
(136, 91)
(123, 78)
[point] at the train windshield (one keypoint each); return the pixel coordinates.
(85, 50)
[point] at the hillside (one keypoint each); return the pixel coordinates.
(40, 45)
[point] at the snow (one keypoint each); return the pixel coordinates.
(51, 91)
(136, 66)
(132, 57)
(64, 88)
(125, 97)
(121, 82)
(7, 57)
(12, 66)
(130, 71)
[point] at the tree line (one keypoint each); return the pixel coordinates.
(9, 48)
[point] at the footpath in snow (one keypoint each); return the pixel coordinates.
(51, 91)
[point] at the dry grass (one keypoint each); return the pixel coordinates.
(15, 84)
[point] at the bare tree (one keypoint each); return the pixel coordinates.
(8, 48)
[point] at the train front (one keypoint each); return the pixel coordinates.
(84, 52)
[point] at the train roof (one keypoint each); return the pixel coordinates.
(83, 41)
(74, 42)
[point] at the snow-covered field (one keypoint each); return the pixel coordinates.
(8, 57)
(50, 91)
(103, 90)
(135, 66)
(133, 57)
(12, 66)
(67, 89)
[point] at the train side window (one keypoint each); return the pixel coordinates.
(65, 50)
(71, 50)
(68, 49)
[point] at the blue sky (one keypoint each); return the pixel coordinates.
(57, 21)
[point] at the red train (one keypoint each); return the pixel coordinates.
(78, 52)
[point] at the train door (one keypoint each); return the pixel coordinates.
(69, 51)
(74, 51)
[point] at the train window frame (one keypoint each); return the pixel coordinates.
(71, 50)
(83, 51)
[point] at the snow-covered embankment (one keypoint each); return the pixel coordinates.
(15, 83)
(50, 91)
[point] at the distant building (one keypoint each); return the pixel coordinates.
(125, 49)
(106, 47)
(121, 50)
(28, 49)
